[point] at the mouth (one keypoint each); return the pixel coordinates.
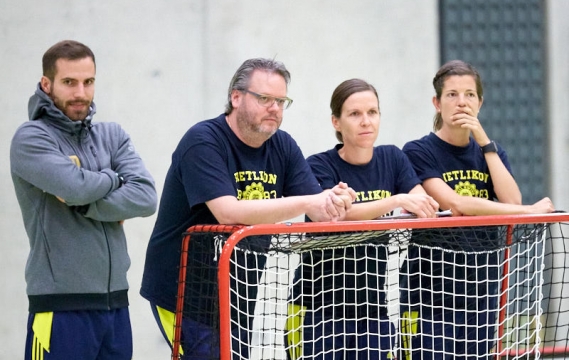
(78, 105)
(271, 119)
(461, 111)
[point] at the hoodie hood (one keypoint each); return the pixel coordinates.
(41, 107)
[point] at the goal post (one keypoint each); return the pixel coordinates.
(380, 289)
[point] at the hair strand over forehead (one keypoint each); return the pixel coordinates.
(240, 80)
(452, 68)
(66, 49)
(343, 92)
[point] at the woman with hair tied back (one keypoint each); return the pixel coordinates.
(340, 291)
(452, 298)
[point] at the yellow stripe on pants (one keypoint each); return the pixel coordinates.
(167, 319)
(409, 324)
(42, 334)
(293, 327)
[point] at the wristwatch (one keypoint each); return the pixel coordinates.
(490, 148)
(121, 179)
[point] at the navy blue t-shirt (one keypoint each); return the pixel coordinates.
(435, 281)
(210, 162)
(353, 271)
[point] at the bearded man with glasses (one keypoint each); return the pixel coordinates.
(213, 168)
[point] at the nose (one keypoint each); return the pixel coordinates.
(274, 106)
(365, 120)
(80, 90)
(461, 100)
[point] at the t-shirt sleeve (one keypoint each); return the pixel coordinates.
(407, 178)
(204, 170)
(422, 160)
(322, 171)
(504, 157)
(300, 179)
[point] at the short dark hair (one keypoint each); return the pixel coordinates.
(343, 92)
(66, 49)
(240, 80)
(454, 67)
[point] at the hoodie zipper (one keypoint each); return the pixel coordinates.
(94, 152)
(109, 254)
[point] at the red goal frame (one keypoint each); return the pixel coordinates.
(239, 232)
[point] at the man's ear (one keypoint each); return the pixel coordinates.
(235, 96)
(45, 84)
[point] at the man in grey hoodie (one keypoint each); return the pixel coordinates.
(76, 182)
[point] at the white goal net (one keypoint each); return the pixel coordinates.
(459, 292)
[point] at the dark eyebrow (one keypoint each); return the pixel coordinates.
(73, 79)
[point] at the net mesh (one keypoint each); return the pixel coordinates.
(467, 292)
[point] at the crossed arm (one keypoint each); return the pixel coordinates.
(36, 158)
(416, 201)
(468, 205)
(329, 205)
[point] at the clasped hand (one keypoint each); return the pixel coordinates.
(339, 201)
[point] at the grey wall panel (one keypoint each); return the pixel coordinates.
(505, 41)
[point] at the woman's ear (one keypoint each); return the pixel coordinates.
(437, 104)
(336, 123)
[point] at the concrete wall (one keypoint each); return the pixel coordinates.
(165, 65)
(558, 78)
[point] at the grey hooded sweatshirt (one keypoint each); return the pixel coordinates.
(67, 176)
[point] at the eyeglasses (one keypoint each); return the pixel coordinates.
(268, 101)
